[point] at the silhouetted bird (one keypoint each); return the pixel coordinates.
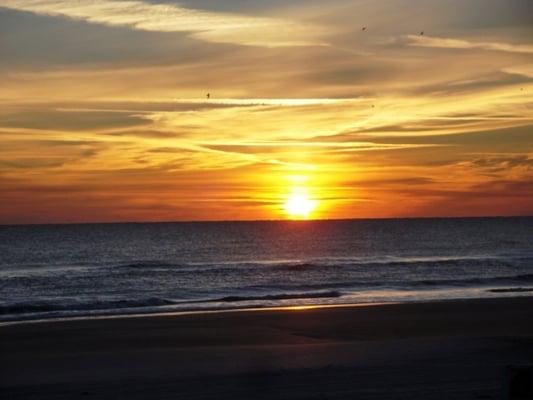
(208, 95)
(364, 28)
(422, 33)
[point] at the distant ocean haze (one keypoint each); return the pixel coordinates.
(54, 271)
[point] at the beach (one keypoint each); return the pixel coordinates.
(432, 350)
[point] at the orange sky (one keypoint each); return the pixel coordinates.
(104, 114)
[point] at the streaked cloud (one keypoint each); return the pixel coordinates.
(525, 70)
(449, 43)
(70, 120)
(205, 25)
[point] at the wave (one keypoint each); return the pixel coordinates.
(328, 285)
(282, 296)
(44, 306)
(475, 281)
(327, 265)
(350, 285)
(147, 265)
(511, 290)
(300, 265)
(401, 262)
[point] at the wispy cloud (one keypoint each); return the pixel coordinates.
(524, 70)
(448, 43)
(204, 25)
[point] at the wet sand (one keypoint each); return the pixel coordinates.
(434, 350)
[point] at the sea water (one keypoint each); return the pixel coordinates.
(57, 271)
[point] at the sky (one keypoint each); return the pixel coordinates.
(337, 109)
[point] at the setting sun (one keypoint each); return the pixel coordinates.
(299, 206)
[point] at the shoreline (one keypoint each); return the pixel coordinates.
(199, 312)
(237, 309)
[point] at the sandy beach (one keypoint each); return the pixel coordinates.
(435, 350)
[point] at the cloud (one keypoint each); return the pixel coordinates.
(494, 197)
(524, 70)
(387, 182)
(512, 139)
(67, 120)
(503, 164)
(448, 43)
(35, 42)
(52, 153)
(205, 25)
(31, 163)
(288, 148)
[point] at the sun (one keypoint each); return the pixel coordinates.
(299, 206)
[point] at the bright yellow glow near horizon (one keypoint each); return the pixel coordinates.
(299, 205)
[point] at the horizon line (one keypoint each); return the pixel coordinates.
(263, 220)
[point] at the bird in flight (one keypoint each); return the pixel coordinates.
(364, 28)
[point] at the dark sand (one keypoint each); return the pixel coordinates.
(440, 350)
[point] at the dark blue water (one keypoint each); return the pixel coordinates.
(72, 270)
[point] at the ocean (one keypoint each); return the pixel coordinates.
(88, 270)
